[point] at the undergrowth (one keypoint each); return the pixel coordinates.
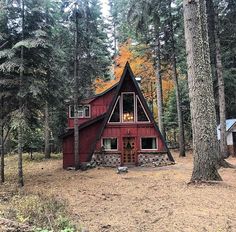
(42, 213)
(38, 157)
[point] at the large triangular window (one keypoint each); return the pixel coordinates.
(141, 114)
(115, 116)
(128, 104)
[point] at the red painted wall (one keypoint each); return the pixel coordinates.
(98, 106)
(131, 130)
(87, 137)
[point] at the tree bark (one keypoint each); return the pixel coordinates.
(221, 84)
(47, 151)
(2, 173)
(159, 81)
(20, 142)
(175, 78)
(211, 34)
(76, 78)
(202, 104)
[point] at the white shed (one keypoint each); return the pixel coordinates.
(231, 135)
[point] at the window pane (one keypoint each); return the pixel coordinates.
(86, 111)
(110, 143)
(71, 111)
(128, 107)
(113, 144)
(149, 143)
(141, 113)
(116, 113)
(80, 112)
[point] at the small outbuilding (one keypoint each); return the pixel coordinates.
(231, 135)
(116, 128)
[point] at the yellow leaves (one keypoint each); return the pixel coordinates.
(141, 62)
(101, 85)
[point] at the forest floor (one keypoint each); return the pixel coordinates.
(143, 200)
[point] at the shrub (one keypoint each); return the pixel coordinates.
(40, 212)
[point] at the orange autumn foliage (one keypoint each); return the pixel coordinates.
(140, 60)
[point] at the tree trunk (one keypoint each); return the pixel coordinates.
(20, 142)
(2, 157)
(175, 78)
(211, 34)
(47, 151)
(20, 163)
(76, 78)
(202, 104)
(159, 82)
(2, 145)
(220, 78)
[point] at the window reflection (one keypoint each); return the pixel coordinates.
(128, 107)
(141, 115)
(116, 113)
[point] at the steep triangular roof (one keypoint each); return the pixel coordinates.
(127, 73)
(92, 98)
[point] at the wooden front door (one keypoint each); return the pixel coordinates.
(128, 150)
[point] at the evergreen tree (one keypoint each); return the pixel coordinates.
(203, 115)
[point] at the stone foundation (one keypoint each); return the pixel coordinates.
(144, 160)
(107, 160)
(153, 160)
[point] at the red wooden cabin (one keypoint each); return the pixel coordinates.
(116, 128)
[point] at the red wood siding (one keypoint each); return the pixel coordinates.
(68, 151)
(98, 106)
(137, 131)
(87, 137)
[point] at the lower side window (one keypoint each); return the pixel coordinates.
(109, 143)
(148, 143)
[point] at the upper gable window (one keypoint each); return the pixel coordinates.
(83, 111)
(115, 116)
(141, 114)
(128, 107)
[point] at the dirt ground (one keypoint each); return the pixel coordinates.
(143, 200)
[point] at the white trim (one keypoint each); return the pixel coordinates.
(138, 99)
(89, 111)
(70, 111)
(114, 110)
(148, 149)
(81, 111)
(121, 112)
(110, 138)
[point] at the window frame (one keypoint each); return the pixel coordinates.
(83, 111)
(136, 113)
(70, 111)
(89, 110)
(122, 110)
(109, 120)
(109, 138)
(149, 149)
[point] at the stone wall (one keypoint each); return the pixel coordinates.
(153, 160)
(144, 159)
(107, 159)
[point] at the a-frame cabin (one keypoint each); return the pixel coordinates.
(116, 128)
